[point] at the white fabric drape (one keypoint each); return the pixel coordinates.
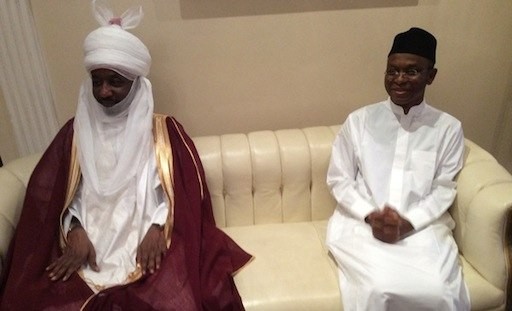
(24, 80)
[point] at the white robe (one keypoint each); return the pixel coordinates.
(120, 194)
(382, 156)
(116, 224)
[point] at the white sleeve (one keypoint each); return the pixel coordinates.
(342, 173)
(443, 190)
(74, 209)
(160, 213)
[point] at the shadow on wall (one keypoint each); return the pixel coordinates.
(502, 144)
(198, 9)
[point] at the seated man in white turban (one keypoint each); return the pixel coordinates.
(117, 213)
(392, 174)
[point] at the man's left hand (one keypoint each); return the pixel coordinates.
(151, 249)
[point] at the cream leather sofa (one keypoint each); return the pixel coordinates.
(269, 194)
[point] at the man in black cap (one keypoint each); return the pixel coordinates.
(392, 174)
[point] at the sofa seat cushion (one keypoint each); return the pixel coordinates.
(291, 269)
(483, 295)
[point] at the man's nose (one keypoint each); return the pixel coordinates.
(105, 90)
(401, 78)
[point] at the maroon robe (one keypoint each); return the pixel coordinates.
(195, 273)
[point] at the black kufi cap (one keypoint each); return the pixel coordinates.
(415, 41)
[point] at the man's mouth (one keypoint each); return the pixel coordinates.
(400, 92)
(107, 103)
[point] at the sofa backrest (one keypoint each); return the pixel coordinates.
(268, 176)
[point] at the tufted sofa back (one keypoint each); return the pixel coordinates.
(268, 176)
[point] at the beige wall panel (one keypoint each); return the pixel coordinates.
(261, 65)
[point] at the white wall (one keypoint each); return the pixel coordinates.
(221, 66)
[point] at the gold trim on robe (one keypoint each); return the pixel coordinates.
(72, 186)
(164, 161)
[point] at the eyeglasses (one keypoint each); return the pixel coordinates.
(408, 73)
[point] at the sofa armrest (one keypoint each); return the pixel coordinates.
(14, 177)
(12, 192)
(482, 212)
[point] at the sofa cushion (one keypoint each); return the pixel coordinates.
(291, 269)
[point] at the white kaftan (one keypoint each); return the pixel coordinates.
(382, 156)
(116, 225)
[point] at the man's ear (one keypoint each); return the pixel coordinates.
(431, 76)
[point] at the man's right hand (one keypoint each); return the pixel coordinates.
(79, 251)
(385, 225)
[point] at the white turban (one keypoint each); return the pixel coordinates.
(112, 47)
